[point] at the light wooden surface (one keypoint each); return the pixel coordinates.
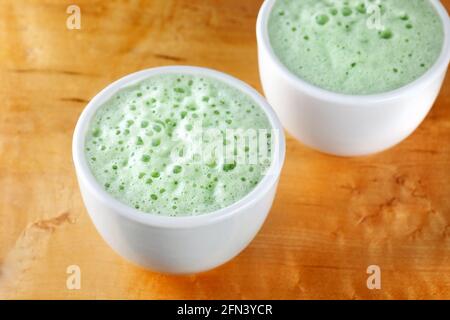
(331, 219)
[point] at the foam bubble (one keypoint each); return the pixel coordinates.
(330, 36)
(133, 137)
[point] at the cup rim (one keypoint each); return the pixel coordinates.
(84, 173)
(437, 69)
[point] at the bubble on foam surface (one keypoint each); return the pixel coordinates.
(333, 46)
(133, 137)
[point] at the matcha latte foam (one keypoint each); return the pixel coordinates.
(144, 145)
(356, 46)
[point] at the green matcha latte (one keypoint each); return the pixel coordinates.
(144, 146)
(356, 47)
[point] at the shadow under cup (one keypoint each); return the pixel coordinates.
(347, 125)
(178, 245)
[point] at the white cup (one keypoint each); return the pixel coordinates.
(179, 245)
(347, 125)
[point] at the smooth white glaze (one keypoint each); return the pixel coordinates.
(180, 245)
(347, 125)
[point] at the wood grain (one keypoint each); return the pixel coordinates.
(332, 217)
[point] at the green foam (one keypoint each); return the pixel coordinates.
(138, 140)
(331, 45)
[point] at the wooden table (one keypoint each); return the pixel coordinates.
(332, 217)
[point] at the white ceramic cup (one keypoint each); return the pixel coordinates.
(347, 125)
(179, 245)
